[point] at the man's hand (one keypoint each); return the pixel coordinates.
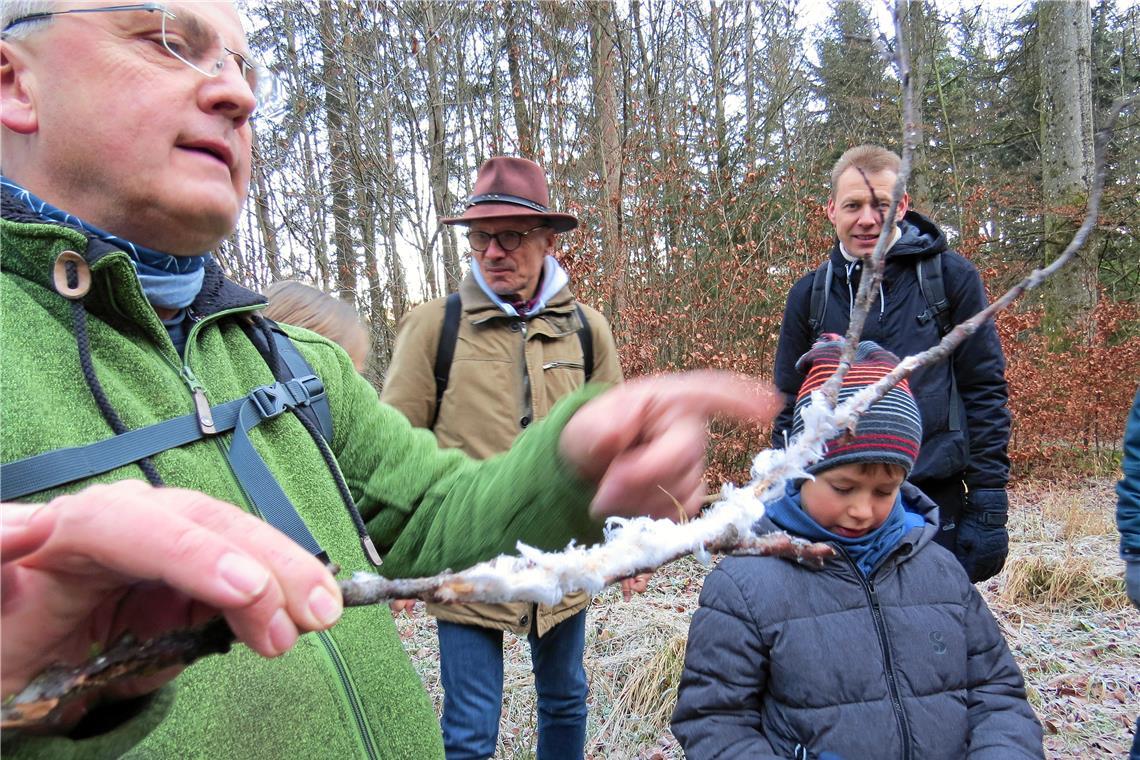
(635, 585)
(1132, 581)
(983, 542)
(407, 606)
(82, 570)
(643, 442)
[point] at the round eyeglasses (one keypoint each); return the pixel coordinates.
(194, 42)
(508, 240)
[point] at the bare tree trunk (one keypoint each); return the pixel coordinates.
(608, 147)
(340, 172)
(523, 124)
(264, 217)
(1065, 31)
(915, 23)
(437, 138)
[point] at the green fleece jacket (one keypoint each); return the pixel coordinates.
(351, 691)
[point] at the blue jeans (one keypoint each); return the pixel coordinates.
(471, 669)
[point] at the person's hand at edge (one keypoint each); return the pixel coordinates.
(644, 442)
(85, 568)
(983, 542)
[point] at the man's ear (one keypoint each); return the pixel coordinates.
(904, 204)
(831, 210)
(17, 106)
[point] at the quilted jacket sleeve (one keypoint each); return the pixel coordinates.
(1128, 489)
(1002, 724)
(795, 340)
(723, 682)
(979, 369)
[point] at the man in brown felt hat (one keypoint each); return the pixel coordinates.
(519, 342)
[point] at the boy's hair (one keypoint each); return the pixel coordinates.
(296, 303)
(872, 159)
(874, 468)
(889, 432)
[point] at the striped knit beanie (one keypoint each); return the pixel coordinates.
(889, 432)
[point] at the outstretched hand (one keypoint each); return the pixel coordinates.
(84, 569)
(644, 442)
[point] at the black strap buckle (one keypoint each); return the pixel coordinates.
(272, 400)
(993, 518)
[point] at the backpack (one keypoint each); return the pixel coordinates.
(298, 389)
(930, 284)
(933, 289)
(449, 335)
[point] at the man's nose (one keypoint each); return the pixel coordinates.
(494, 250)
(868, 216)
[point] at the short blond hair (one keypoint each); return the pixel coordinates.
(872, 159)
(296, 303)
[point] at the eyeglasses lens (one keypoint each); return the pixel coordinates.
(197, 44)
(508, 240)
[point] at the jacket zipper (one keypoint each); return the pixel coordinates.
(202, 408)
(363, 732)
(528, 401)
(888, 663)
(559, 364)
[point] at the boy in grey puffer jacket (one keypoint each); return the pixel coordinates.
(887, 652)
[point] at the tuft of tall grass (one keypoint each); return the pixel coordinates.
(1058, 580)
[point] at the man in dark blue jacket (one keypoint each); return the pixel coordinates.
(963, 466)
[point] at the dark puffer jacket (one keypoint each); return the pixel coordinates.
(784, 661)
(972, 438)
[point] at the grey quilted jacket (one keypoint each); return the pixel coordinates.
(788, 662)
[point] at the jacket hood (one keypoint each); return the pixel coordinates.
(914, 501)
(477, 307)
(920, 237)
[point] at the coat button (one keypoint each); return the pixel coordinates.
(524, 421)
(516, 326)
(524, 620)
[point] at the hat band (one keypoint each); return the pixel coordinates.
(475, 200)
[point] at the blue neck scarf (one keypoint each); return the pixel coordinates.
(168, 282)
(554, 278)
(868, 551)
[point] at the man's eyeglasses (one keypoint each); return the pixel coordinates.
(508, 240)
(195, 43)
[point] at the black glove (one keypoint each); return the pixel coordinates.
(983, 542)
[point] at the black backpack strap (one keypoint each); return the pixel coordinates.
(445, 352)
(586, 338)
(820, 291)
(933, 288)
(932, 285)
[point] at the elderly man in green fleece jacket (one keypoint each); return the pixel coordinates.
(126, 158)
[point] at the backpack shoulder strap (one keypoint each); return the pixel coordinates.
(933, 288)
(445, 352)
(820, 291)
(586, 338)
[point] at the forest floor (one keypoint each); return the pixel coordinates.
(1060, 603)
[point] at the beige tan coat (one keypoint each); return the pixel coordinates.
(487, 403)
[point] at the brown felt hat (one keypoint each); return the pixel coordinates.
(508, 186)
